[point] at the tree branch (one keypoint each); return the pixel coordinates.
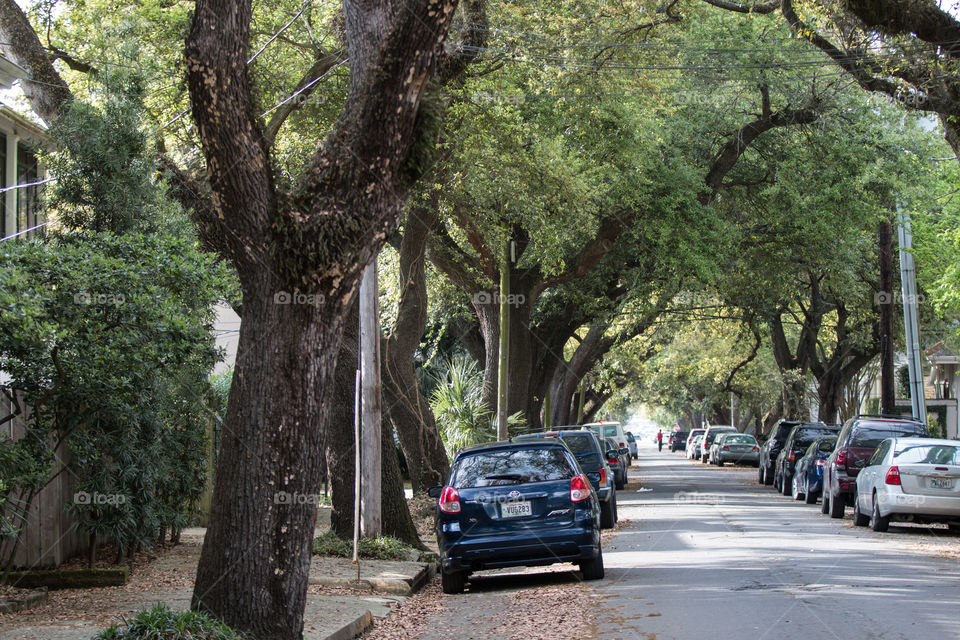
(739, 7)
(324, 63)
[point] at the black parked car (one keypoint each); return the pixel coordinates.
(511, 504)
(770, 449)
(590, 452)
(858, 439)
(801, 437)
(678, 440)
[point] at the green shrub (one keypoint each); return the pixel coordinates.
(382, 548)
(160, 623)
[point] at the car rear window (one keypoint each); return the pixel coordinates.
(712, 435)
(739, 439)
(511, 466)
(872, 436)
(580, 442)
(805, 438)
(609, 432)
(929, 454)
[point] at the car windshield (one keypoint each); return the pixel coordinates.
(872, 437)
(929, 454)
(712, 435)
(739, 439)
(511, 466)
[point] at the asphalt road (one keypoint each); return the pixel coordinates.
(711, 554)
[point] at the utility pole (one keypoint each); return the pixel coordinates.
(583, 390)
(908, 285)
(504, 355)
(370, 434)
(885, 298)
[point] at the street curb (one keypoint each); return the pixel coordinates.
(350, 630)
(392, 586)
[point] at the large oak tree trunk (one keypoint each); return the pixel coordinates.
(308, 248)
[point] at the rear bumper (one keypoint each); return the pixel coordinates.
(751, 458)
(893, 501)
(522, 548)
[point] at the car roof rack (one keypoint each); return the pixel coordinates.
(888, 416)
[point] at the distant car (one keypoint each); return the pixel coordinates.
(738, 448)
(771, 448)
(617, 460)
(808, 476)
(690, 436)
(632, 444)
(610, 430)
(709, 436)
(511, 504)
(590, 452)
(678, 440)
(909, 480)
(801, 436)
(858, 439)
(693, 449)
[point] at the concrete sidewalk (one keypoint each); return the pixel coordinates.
(327, 617)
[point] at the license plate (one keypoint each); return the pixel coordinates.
(941, 483)
(515, 509)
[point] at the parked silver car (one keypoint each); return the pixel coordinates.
(693, 449)
(738, 448)
(688, 449)
(909, 480)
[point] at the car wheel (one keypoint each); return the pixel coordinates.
(953, 526)
(859, 520)
(776, 482)
(825, 500)
(760, 475)
(608, 515)
(809, 496)
(620, 482)
(767, 476)
(878, 522)
(453, 582)
(786, 485)
(795, 488)
(836, 506)
(593, 569)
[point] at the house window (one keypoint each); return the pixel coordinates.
(27, 197)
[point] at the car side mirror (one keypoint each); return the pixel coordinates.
(624, 451)
(434, 492)
(611, 454)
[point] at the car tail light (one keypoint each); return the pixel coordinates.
(791, 456)
(725, 448)
(579, 488)
(842, 458)
(756, 448)
(893, 475)
(449, 500)
(623, 445)
(820, 462)
(603, 476)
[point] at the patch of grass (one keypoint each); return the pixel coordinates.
(382, 548)
(161, 623)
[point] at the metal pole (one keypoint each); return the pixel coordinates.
(504, 355)
(370, 523)
(356, 470)
(908, 286)
(885, 298)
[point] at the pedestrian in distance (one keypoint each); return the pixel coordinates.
(660, 440)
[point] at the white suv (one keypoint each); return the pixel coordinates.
(610, 430)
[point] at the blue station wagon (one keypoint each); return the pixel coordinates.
(511, 504)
